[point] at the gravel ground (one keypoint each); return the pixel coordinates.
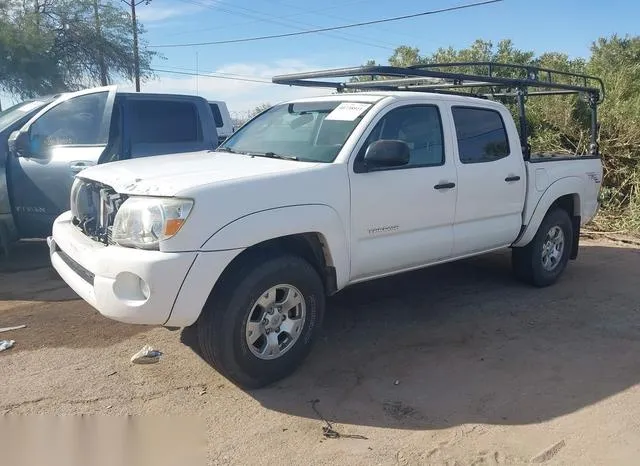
(456, 364)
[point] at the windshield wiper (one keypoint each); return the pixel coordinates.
(273, 155)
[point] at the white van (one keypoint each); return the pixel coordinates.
(221, 115)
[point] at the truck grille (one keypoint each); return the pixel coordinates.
(93, 207)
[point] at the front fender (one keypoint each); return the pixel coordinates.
(565, 186)
(258, 227)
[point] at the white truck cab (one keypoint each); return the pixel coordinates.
(306, 199)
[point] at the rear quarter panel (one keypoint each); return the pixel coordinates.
(548, 180)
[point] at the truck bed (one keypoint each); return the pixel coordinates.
(584, 172)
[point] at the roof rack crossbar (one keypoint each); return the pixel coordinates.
(380, 86)
(530, 70)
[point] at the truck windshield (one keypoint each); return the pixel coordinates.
(13, 114)
(309, 131)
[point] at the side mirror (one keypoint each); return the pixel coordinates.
(386, 154)
(19, 144)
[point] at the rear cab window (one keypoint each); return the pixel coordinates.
(481, 134)
(164, 122)
(217, 116)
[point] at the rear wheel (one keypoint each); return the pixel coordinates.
(542, 261)
(260, 324)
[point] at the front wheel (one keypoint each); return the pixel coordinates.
(542, 261)
(261, 325)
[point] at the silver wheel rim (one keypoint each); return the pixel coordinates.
(552, 249)
(275, 322)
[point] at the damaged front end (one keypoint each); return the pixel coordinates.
(94, 207)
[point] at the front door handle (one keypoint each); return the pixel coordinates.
(445, 186)
(509, 179)
(80, 165)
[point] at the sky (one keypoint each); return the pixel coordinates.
(568, 26)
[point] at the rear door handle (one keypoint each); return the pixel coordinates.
(509, 179)
(445, 186)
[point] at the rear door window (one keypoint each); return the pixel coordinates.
(164, 121)
(481, 134)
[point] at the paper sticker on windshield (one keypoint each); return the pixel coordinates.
(347, 111)
(30, 106)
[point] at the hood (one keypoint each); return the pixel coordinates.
(168, 175)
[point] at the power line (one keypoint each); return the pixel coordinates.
(221, 73)
(186, 73)
(334, 28)
(326, 15)
(253, 21)
(266, 17)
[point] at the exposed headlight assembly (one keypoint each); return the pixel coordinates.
(142, 222)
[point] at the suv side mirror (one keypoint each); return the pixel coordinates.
(19, 144)
(386, 154)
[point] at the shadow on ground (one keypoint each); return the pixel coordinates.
(26, 274)
(464, 343)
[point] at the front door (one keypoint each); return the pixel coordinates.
(403, 217)
(67, 136)
(491, 180)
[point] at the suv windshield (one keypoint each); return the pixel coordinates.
(14, 113)
(309, 131)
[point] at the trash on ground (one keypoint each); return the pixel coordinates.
(397, 382)
(327, 430)
(6, 344)
(147, 355)
(8, 329)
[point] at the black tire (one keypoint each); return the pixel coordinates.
(527, 261)
(222, 324)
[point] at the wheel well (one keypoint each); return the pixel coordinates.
(570, 203)
(310, 246)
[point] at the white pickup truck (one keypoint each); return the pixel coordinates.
(311, 196)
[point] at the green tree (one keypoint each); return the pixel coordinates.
(617, 61)
(54, 45)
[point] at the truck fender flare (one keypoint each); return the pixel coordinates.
(258, 227)
(571, 185)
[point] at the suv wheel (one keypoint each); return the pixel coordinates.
(261, 322)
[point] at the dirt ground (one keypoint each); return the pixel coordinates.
(456, 364)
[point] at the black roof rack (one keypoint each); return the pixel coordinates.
(440, 77)
(483, 79)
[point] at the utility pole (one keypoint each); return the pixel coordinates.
(136, 57)
(104, 79)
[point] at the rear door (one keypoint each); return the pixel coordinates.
(156, 125)
(491, 180)
(65, 137)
